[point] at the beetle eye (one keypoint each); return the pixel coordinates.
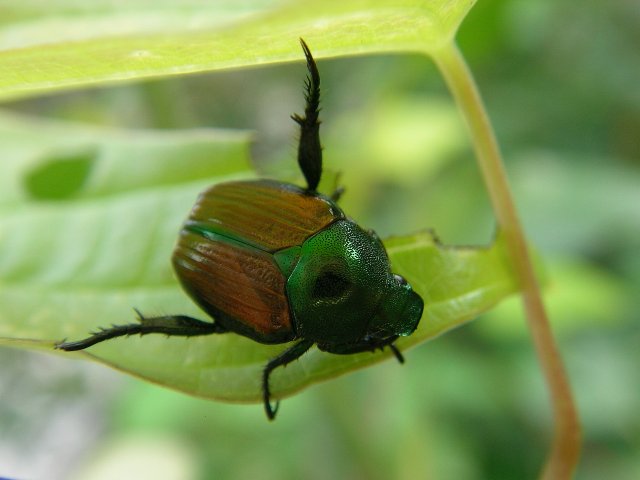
(330, 286)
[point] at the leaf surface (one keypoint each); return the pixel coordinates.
(85, 258)
(66, 45)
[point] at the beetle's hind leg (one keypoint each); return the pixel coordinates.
(288, 356)
(170, 325)
(309, 149)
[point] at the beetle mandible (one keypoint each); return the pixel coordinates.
(279, 263)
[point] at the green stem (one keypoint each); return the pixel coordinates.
(566, 445)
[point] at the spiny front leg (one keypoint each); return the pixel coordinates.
(288, 356)
(309, 148)
(171, 325)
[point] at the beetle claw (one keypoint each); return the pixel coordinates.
(271, 411)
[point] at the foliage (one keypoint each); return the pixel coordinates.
(565, 110)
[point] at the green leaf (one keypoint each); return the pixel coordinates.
(70, 265)
(69, 45)
(64, 161)
(88, 217)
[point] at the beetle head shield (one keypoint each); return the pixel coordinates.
(399, 311)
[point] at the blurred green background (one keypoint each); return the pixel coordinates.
(560, 81)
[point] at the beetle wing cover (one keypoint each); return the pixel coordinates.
(240, 286)
(265, 214)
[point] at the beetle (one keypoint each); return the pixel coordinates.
(279, 263)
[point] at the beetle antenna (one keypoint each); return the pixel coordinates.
(309, 148)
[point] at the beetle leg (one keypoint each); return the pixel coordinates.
(397, 353)
(289, 355)
(368, 345)
(337, 194)
(309, 149)
(338, 190)
(171, 325)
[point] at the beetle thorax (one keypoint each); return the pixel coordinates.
(337, 285)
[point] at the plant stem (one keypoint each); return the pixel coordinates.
(566, 445)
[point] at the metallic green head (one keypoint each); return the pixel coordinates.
(342, 291)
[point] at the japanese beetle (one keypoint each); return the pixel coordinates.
(279, 263)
